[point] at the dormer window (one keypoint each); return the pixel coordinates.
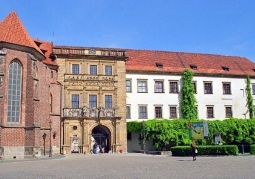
(193, 67)
(253, 69)
(225, 68)
(159, 65)
(53, 56)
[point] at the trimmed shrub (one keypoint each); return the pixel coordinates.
(252, 149)
(205, 150)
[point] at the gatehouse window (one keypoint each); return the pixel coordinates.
(92, 101)
(108, 70)
(108, 101)
(75, 101)
(14, 92)
(93, 70)
(75, 69)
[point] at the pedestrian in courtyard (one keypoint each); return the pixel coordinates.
(193, 150)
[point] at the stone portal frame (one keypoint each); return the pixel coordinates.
(84, 130)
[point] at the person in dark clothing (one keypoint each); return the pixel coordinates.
(193, 150)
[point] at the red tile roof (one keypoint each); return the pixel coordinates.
(13, 31)
(145, 61)
(47, 47)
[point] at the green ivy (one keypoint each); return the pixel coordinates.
(188, 102)
(175, 132)
(249, 98)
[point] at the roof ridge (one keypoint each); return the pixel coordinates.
(16, 32)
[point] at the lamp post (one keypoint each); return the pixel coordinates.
(144, 138)
(50, 152)
(44, 137)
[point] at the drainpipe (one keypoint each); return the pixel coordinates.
(60, 127)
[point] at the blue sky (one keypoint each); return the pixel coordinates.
(225, 27)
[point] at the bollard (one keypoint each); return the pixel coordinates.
(242, 149)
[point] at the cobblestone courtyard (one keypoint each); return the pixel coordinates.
(130, 166)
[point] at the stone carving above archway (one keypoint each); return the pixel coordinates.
(91, 112)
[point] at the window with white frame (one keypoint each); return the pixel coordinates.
(209, 112)
(75, 100)
(208, 88)
(173, 112)
(108, 101)
(92, 101)
(173, 87)
(128, 86)
(226, 88)
(142, 86)
(128, 112)
(93, 70)
(108, 70)
(194, 86)
(158, 111)
(159, 87)
(75, 68)
(142, 112)
(228, 110)
(14, 92)
(253, 89)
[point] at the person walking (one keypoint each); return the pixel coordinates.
(193, 150)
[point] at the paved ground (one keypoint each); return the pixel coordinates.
(130, 166)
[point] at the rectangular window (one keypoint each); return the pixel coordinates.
(93, 70)
(75, 101)
(128, 112)
(173, 112)
(226, 88)
(158, 112)
(108, 70)
(129, 136)
(108, 101)
(195, 86)
(159, 88)
(208, 87)
(228, 111)
(75, 69)
(209, 112)
(173, 87)
(142, 112)
(142, 86)
(253, 89)
(128, 86)
(92, 101)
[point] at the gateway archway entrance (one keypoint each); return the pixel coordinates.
(101, 135)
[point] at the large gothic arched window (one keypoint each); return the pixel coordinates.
(14, 92)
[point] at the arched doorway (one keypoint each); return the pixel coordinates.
(102, 136)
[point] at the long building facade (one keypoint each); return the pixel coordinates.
(64, 99)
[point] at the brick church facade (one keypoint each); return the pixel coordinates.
(29, 94)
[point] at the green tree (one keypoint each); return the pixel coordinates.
(188, 102)
(249, 97)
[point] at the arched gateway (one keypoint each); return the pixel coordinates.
(101, 136)
(82, 130)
